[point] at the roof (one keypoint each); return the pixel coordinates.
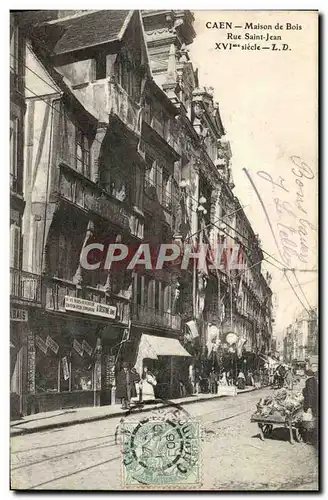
(89, 30)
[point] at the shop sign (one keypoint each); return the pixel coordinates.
(87, 348)
(77, 346)
(52, 344)
(89, 307)
(41, 344)
(65, 368)
(18, 314)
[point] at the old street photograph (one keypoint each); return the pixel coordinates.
(163, 250)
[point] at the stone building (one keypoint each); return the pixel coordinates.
(301, 338)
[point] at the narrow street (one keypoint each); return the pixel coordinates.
(85, 456)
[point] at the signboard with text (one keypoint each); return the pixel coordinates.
(89, 307)
(18, 315)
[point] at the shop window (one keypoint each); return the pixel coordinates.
(46, 372)
(82, 371)
(82, 153)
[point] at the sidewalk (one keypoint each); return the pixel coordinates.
(64, 418)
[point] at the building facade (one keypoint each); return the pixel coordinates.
(301, 338)
(115, 141)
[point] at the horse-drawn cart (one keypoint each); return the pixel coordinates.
(291, 421)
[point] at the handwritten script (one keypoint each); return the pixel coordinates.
(293, 229)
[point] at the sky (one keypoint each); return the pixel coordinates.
(268, 105)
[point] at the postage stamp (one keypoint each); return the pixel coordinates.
(161, 452)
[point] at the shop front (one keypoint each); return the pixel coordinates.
(65, 357)
(168, 360)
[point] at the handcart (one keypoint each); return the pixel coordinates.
(290, 421)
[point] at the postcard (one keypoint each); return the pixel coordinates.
(163, 264)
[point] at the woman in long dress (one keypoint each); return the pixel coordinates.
(241, 381)
(147, 384)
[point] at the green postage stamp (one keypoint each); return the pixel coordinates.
(161, 453)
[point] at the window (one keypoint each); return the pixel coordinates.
(160, 184)
(127, 74)
(138, 193)
(82, 153)
(100, 66)
(14, 245)
(13, 48)
(13, 152)
(67, 255)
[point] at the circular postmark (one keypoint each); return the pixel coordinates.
(161, 450)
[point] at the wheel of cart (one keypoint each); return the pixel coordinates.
(298, 434)
(267, 429)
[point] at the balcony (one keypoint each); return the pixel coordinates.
(76, 189)
(56, 290)
(151, 317)
(104, 98)
(25, 286)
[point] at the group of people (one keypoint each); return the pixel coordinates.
(226, 378)
(130, 387)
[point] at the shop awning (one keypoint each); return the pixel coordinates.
(152, 346)
(163, 346)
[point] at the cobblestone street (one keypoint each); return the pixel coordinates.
(85, 456)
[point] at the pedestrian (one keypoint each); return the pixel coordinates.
(249, 379)
(223, 380)
(310, 405)
(241, 381)
(310, 393)
(125, 385)
(192, 378)
(257, 379)
(213, 382)
(289, 379)
(147, 383)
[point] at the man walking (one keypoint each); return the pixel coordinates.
(213, 382)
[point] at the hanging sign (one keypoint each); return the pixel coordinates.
(192, 327)
(41, 344)
(65, 368)
(87, 348)
(52, 344)
(77, 346)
